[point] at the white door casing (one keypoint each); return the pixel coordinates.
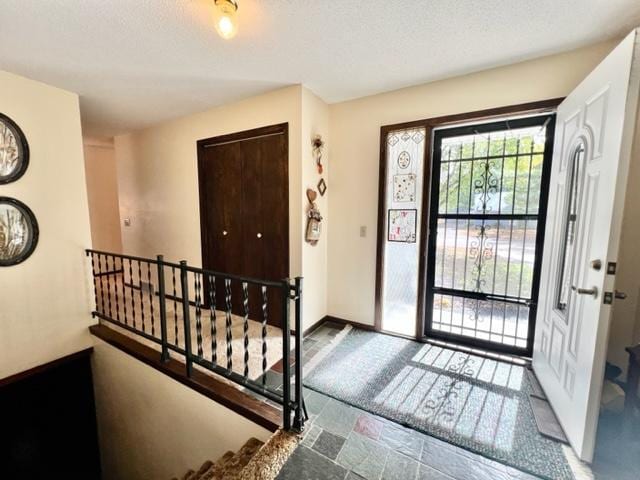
(570, 348)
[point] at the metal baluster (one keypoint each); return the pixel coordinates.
(133, 295)
(264, 334)
(175, 305)
(95, 280)
(141, 296)
(115, 287)
(286, 355)
(103, 302)
(124, 297)
(212, 319)
(108, 275)
(163, 309)
(227, 285)
(298, 418)
(198, 298)
(151, 293)
(184, 286)
(245, 302)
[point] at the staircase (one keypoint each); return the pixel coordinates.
(254, 461)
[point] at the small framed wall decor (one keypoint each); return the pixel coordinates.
(322, 186)
(14, 151)
(18, 232)
(402, 225)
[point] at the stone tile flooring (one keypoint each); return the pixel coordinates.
(346, 443)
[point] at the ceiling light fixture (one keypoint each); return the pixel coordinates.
(226, 18)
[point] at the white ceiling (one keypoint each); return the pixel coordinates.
(138, 62)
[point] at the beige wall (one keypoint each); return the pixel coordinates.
(315, 121)
(44, 302)
(158, 175)
(354, 152)
(158, 182)
(152, 427)
(102, 190)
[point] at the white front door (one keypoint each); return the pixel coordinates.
(594, 132)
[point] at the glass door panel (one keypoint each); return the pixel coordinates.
(489, 188)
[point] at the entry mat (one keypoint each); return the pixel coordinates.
(476, 403)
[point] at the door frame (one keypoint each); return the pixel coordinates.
(530, 108)
(201, 145)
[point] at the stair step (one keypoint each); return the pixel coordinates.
(189, 475)
(267, 462)
(205, 466)
(218, 467)
(230, 465)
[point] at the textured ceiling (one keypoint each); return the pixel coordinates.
(138, 62)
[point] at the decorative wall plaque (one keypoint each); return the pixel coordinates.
(322, 186)
(402, 225)
(18, 232)
(404, 188)
(14, 151)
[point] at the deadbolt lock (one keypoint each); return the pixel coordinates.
(596, 265)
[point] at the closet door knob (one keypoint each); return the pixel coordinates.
(224, 232)
(259, 235)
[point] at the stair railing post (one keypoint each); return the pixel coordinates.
(286, 355)
(163, 310)
(298, 422)
(184, 284)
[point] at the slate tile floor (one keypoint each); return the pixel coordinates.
(346, 443)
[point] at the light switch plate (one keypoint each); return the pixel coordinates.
(127, 222)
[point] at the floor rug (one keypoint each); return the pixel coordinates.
(473, 402)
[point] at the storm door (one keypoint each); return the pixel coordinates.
(486, 229)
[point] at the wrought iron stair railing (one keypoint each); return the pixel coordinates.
(176, 307)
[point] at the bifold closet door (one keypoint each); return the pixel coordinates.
(244, 209)
(223, 226)
(265, 220)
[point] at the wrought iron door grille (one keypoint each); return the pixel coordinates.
(489, 190)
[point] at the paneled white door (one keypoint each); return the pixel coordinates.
(594, 132)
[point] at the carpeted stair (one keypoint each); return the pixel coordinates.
(254, 461)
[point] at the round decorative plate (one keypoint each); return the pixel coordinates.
(14, 151)
(18, 232)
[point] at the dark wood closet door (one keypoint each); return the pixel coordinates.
(244, 191)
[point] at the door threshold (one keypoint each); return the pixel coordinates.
(480, 352)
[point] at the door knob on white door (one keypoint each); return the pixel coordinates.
(593, 291)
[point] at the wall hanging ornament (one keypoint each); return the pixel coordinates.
(314, 218)
(18, 232)
(402, 225)
(14, 151)
(322, 186)
(318, 146)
